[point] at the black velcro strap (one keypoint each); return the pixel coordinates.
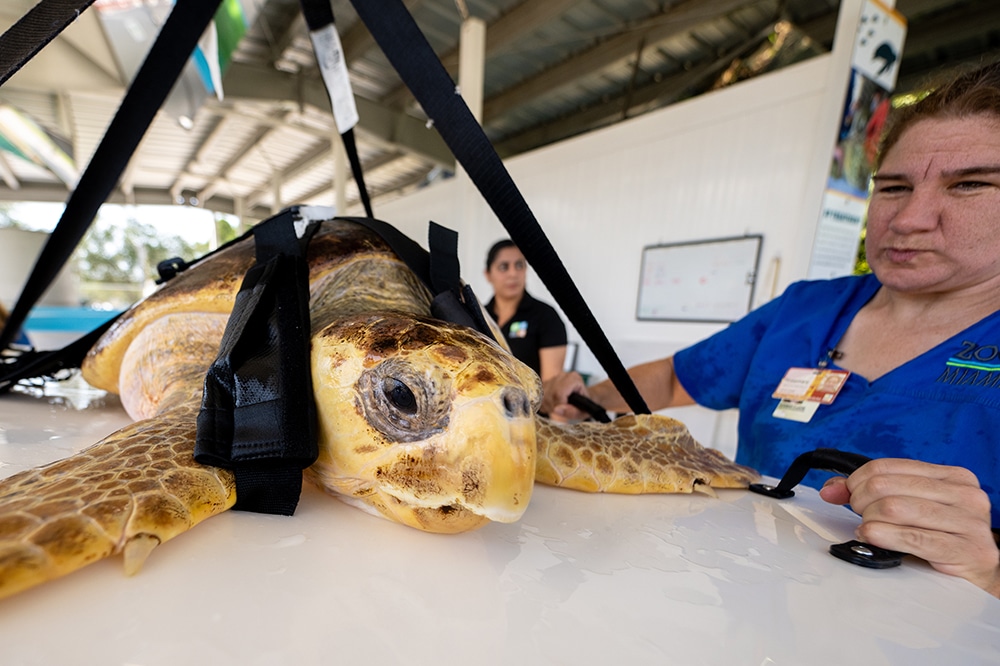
(445, 272)
(258, 417)
(453, 301)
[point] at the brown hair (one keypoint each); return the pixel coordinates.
(969, 93)
(491, 256)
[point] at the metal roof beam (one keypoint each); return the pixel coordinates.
(248, 144)
(931, 33)
(7, 173)
(405, 133)
(667, 91)
(519, 21)
(305, 163)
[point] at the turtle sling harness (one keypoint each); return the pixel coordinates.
(253, 419)
(286, 442)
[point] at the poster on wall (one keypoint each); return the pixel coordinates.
(878, 47)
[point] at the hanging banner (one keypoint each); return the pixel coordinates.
(132, 26)
(878, 47)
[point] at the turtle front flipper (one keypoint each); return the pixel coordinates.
(632, 455)
(126, 494)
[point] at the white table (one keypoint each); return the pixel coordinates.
(581, 579)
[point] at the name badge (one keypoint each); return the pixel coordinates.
(811, 384)
(803, 390)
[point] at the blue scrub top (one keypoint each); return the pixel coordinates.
(942, 407)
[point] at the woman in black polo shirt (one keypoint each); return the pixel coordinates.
(534, 331)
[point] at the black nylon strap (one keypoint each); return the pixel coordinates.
(258, 417)
(159, 71)
(407, 249)
(34, 30)
(359, 176)
(444, 258)
(32, 364)
(438, 269)
(392, 26)
(453, 301)
(318, 15)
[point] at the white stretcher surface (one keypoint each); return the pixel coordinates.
(580, 579)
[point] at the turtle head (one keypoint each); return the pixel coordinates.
(426, 423)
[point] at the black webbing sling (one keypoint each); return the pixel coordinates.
(258, 417)
(392, 26)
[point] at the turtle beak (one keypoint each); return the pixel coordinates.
(494, 465)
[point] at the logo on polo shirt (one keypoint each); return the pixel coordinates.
(518, 329)
(974, 365)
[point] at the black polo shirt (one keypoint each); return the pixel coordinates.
(534, 326)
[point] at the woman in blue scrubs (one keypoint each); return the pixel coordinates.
(902, 366)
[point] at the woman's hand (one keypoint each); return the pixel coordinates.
(935, 512)
(555, 396)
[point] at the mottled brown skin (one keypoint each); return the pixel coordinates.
(458, 452)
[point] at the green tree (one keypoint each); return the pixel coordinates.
(7, 218)
(117, 263)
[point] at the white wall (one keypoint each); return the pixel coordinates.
(723, 164)
(19, 248)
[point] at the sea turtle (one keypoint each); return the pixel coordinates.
(422, 422)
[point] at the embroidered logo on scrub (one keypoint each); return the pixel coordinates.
(518, 329)
(974, 364)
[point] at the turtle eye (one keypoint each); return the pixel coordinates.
(403, 402)
(399, 395)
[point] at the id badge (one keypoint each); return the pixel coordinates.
(795, 410)
(816, 384)
(803, 390)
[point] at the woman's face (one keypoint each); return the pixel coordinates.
(934, 216)
(507, 273)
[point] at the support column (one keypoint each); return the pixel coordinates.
(276, 204)
(471, 68)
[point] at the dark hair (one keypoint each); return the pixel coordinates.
(969, 93)
(495, 250)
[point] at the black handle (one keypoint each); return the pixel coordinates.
(831, 460)
(842, 462)
(585, 404)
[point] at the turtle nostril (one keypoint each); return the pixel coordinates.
(515, 402)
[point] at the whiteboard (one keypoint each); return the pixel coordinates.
(705, 281)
